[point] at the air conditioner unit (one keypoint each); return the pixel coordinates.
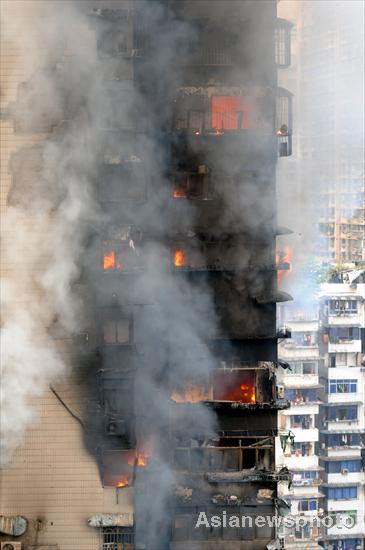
(344, 471)
(11, 545)
(280, 390)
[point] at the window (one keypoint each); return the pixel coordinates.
(343, 440)
(341, 359)
(345, 544)
(342, 386)
(344, 513)
(342, 413)
(193, 186)
(305, 338)
(342, 493)
(338, 466)
(117, 538)
(302, 449)
(303, 532)
(116, 331)
(282, 43)
(307, 505)
(301, 421)
(113, 42)
(343, 334)
(283, 122)
(338, 307)
(303, 368)
(301, 396)
(307, 475)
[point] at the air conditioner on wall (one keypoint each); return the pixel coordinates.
(11, 545)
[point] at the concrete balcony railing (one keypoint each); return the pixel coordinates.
(345, 346)
(305, 435)
(300, 380)
(344, 319)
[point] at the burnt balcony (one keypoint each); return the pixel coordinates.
(244, 387)
(215, 111)
(122, 250)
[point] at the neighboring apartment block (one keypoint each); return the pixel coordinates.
(342, 432)
(299, 375)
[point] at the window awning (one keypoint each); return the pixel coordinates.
(342, 536)
(309, 469)
(300, 387)
(112, 520)
(346, 484)
(339, 458)
(306, 495)
(342, 404)
(343, 431)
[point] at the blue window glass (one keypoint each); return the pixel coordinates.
(338, 466)
(342, 493)
(342, 386)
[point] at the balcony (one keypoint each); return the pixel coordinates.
(284, 122)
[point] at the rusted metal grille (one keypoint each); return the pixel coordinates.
(117, 538)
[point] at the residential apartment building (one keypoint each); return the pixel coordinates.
(342, 414)
(162, 146)
(300, 358)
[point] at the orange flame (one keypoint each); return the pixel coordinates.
(192, 394)
(123, 482)
(179, 192)
(140, 458)
(286, 257)
(109, 260)
(179, 258)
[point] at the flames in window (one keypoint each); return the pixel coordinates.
(179, 257)
(231, 112)
(223, 386)
(110, 261)
(283, 262)
(119, 466)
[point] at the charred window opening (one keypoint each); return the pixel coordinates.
(117, 538)
(117, 331)
(283, 43)
(113, 42)
(284, 122)
(191, 185)
(123, 178)
(226, 455)
(119, 467)
(122, 251)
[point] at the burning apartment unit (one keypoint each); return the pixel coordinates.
(178, 353)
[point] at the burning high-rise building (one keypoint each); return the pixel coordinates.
(155, 195)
